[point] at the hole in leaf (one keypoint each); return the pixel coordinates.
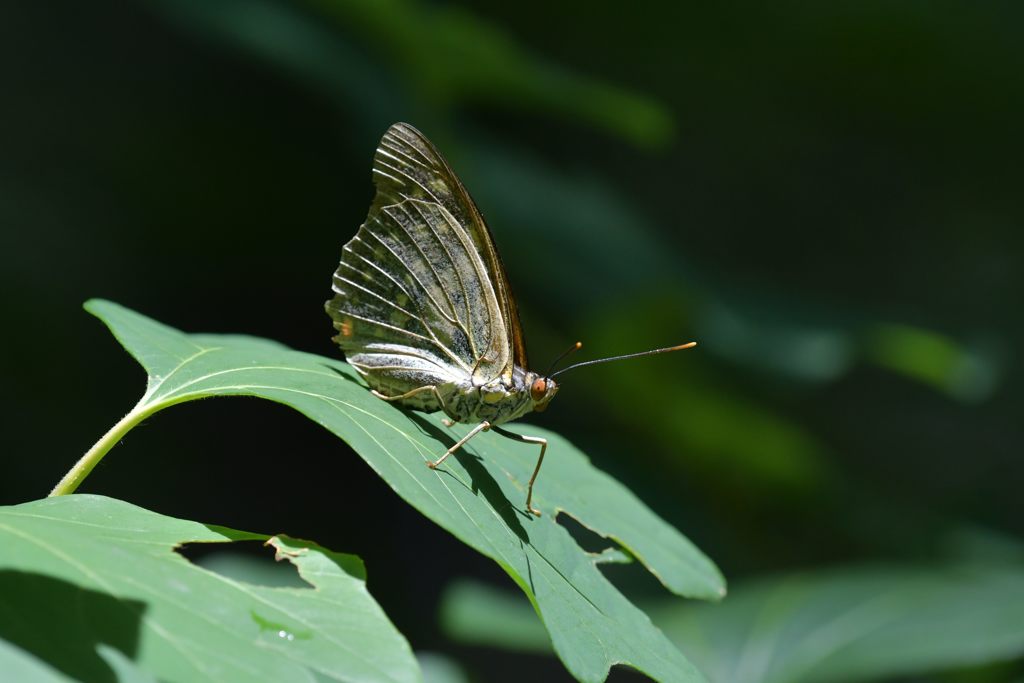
(587, 539)
(623, 673)
(251, 562)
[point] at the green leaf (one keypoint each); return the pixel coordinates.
(850, 624)
(25, 668)
(467, 609)
(478, 495)
(935, 359)
(439, 668)
(124, 668)
(94, 587)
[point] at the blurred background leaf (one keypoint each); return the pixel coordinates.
(860, 623)
(825, 196)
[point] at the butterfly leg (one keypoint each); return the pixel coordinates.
(543, 443)
(482, 427)
(437, 394)
(417, 390)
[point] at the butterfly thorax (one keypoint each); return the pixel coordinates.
(498, 401)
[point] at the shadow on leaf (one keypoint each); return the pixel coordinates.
(483, 482)
(62, 623)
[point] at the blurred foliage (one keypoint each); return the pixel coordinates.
(857, 623)
(825, 197)
(441, 57)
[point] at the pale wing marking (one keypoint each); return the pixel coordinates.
(400, 156)
(388, 176)
(428, 163)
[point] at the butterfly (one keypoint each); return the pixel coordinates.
(423, 307)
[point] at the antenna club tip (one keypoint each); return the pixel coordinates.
(688, 345)
(579, 345)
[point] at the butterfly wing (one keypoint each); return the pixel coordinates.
(421, 297)
(403, 144)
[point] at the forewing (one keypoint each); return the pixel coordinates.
(415, 299)
(406, 166)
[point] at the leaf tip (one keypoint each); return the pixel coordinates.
(96, 306)
(719, 589)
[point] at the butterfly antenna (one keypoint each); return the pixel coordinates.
(669, 349)
(575, 347)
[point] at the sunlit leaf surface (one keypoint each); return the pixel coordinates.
(478, 495)
(94, 587)
(21, 666)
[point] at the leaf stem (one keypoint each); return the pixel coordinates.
(77, 474)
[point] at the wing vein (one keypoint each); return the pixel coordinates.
(451, 304)
(411, 179)
(375, 267)
(440, 347)
(388, 176)
(388, 302)
(408, 270)
(411, 144)
(481, 271)
(401, 156)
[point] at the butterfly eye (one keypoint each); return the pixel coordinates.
(538, 388)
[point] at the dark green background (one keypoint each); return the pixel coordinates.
(827, 196)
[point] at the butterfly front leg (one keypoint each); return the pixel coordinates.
(543, 443)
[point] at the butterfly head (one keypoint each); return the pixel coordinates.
(542, 390)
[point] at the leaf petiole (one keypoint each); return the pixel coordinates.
(81, 469)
